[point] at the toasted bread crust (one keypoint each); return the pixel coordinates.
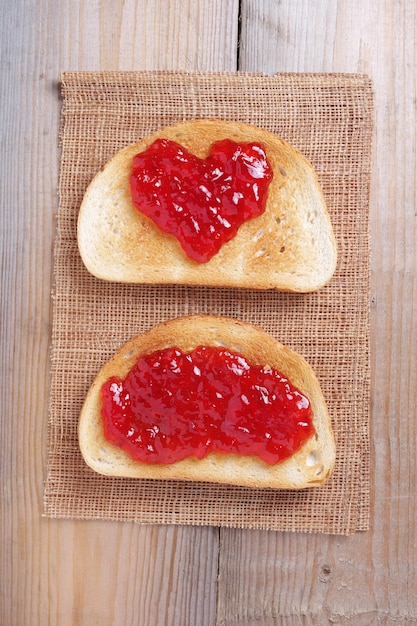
(291, 247)
(309, 466)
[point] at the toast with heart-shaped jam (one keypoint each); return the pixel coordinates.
(208, 202)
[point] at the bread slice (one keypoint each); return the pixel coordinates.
(290, 247)
(310, 466)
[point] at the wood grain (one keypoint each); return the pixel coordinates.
(86, 573)
(369, 578)
(70, 572)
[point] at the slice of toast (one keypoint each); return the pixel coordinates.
(310, 466)
(290, 247)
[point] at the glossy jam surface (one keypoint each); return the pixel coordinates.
(173, 405)
(201, 202)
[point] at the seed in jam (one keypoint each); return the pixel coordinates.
(174, 405)
(202, 202)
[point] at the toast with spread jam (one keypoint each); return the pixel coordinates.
(282, 240)
(124, 430)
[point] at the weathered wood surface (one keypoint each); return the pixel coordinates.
(84, 573)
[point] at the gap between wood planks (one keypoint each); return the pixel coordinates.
(239, 33)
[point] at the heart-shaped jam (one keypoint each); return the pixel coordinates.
(202, 202)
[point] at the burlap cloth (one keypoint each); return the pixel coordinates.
(329, 119)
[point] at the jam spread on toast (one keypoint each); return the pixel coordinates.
(201, 202)
(174, 405)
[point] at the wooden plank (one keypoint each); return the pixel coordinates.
(74, 572)
(137, 35)
(369, 578)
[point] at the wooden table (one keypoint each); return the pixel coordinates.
(68, 572)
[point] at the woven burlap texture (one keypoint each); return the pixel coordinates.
(329, 119)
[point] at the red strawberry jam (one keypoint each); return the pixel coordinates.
(173, 405)
(202, 202)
